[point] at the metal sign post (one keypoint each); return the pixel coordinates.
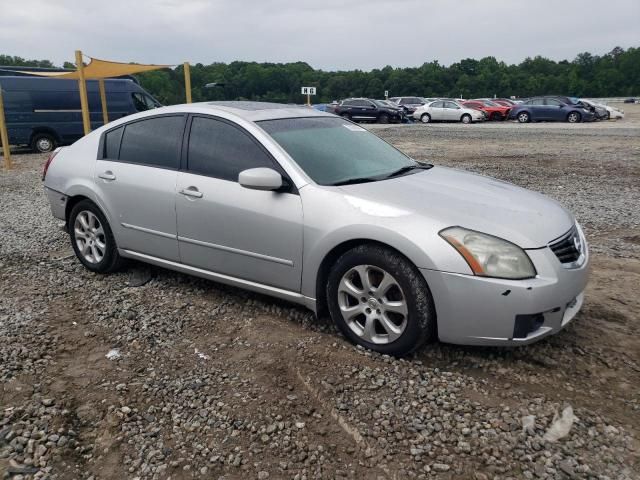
(308, 91)
(6, 152)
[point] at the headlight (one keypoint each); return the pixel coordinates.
(490, 256)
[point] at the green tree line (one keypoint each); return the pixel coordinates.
(616, 73)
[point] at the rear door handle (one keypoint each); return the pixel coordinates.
(191, 192)
(108, 175)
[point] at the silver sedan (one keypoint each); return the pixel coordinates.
(312, 208)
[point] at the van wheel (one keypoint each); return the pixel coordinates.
(379, 300)
(43, 143)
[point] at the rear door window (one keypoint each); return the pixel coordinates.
(112, 143)
(153, 141)
(221, 150)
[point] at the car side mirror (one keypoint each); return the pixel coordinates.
(260, 179)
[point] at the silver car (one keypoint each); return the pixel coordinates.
(309, 207)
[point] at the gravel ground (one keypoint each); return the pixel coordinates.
(206, 381)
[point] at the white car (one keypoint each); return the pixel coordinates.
(447, 111)
(612, 112)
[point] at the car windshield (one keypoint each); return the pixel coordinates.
(380, 103)
(334, 151)
(489, 103)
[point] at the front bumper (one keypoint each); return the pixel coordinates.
(474, 310)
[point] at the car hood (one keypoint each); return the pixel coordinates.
(448, 197)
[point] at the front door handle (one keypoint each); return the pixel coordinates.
(108, 175)
(191, 192)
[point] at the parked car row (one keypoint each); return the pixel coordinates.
(426, 110)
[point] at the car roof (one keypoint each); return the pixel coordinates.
(246, 110)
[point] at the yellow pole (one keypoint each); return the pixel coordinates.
(6, 151)
(84, 102)
(187, 81)
(103, 101)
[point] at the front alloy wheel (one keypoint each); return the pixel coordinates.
(372, 304)
(573, 117)
(380, 300)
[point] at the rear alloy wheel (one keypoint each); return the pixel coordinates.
(574, 117)
(384, 118)
(43, 143)
(466, 118)
(425, 118)
(379, 300)
(523, 117)
(92, 239)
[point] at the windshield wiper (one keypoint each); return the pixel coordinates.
(351, 181)
(409, 168)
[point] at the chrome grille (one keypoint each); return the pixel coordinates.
(568, 248)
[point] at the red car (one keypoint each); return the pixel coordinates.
(494, 111)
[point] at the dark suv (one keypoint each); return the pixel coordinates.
(365, 109)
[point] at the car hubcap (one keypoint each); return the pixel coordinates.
(425, 118)
(573, 118)
(44, 145)
(523, 118)
(89, 236)
(465, 119)
(372, 304)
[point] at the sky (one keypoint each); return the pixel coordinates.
(327, 34)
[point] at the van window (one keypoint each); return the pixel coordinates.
(154, 141)
(112, 143)
(143, 102)
(218, 149)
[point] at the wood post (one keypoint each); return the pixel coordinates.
(84, 101)
(6, 151)
(103, 101)
(187, 81)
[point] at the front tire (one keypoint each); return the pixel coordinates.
(466, 118)
(524, 117)
(379, 300)
(43, 143)
(495, 116)
(425, 118)
(384, 118)
(574, 117)
(92, 239)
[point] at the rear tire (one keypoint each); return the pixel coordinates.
(379, 300)
(345, 115)
(524, 117)
(574, 117)
(92, 239)
(425, 118)
(43, 143)
(466, 118)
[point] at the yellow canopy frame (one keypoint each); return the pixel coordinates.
(96, 70)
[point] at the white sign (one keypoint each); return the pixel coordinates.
(308, 90)
(386, 93)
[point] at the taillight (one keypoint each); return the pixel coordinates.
(48, 162)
